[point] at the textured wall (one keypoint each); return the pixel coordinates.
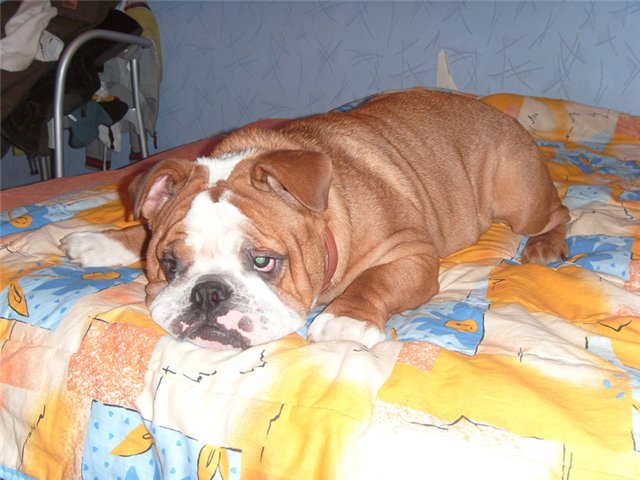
(228, 63)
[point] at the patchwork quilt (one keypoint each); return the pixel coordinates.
(511, 371)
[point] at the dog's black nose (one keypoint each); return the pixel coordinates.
(210, 293)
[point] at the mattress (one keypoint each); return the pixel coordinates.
(511, 371)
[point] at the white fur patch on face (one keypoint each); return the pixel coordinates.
(221, 167)
(215, 232)
(326, 327)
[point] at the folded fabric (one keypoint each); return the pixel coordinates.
(85, 120)
(49, 47)
(23, 31)
(111, 136)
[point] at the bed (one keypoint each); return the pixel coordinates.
(511, 371)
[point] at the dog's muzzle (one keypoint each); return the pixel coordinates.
(212, 315)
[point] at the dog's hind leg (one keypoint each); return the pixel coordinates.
(547, 247)
(543, 218)
(526, 199)
(546, 231)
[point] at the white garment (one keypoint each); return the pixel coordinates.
(23, 31)
(111, 136)
(49, 47)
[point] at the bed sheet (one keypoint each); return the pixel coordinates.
(511, 371)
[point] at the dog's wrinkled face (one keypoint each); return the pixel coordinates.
(224, 262)
(219, 282)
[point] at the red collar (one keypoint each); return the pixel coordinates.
(331, 260)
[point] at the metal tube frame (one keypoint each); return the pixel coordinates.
(135, 87)
(61, 77)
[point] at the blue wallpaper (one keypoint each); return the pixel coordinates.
(229, 63)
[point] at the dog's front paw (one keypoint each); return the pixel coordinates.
(96, 249)
(329, 327)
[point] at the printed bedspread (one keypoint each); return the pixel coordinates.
(511, 371)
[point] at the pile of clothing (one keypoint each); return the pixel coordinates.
(98, 92)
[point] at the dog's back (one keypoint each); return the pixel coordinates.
(465, 163)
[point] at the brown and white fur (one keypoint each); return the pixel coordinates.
(352, 210)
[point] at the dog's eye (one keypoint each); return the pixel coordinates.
(264, 264)
(169, 267)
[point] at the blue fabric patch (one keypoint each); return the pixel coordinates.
(456, 326)
(630, 196)
(107, 428)
(35, 216)
(602, 254)
(180, 455)
(48, 294)
(589, 162)
(170, 454)
(7, 473)
(579, 196)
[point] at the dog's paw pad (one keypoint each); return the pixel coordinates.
(96, 249)
(329, 327)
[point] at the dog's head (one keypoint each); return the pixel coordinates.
(238, 250)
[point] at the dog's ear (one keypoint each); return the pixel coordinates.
(300, 175)
(150, 190)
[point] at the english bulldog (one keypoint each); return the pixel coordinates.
(351, 210)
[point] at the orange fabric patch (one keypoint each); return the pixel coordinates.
(509, 104)
(496, 243)
(421, 355)
(502, 392)
(628, 129)
(13, 269)
(569, 292)
(111, 362)
(113, 213)
(54, 446)
(633, 284)
(305, 413)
